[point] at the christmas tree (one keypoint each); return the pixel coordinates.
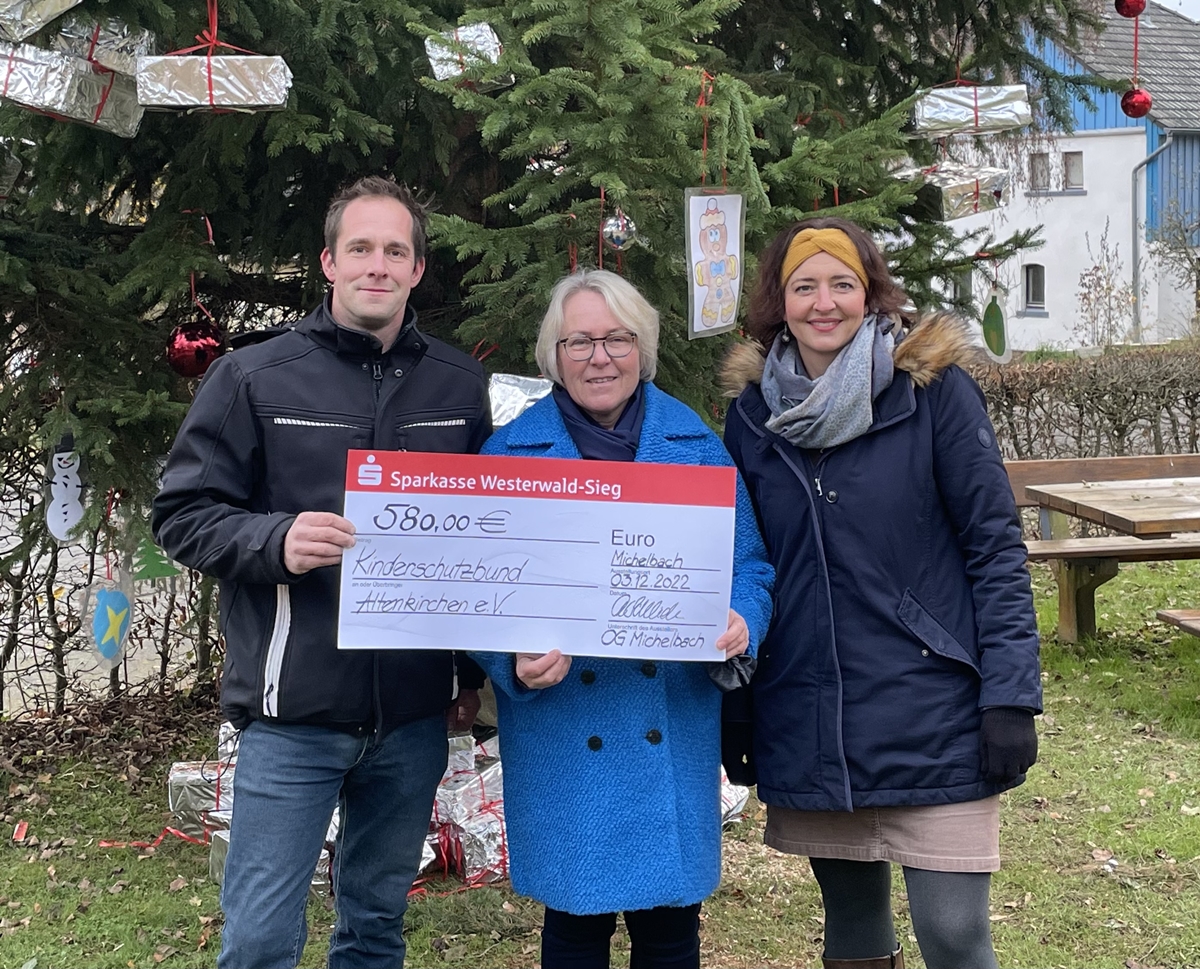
(616, 104)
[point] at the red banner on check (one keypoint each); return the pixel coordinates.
(418, 472)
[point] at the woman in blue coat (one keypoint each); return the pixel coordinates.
(612, 766)
(896, 689)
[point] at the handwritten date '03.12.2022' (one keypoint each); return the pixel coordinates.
(594, 558)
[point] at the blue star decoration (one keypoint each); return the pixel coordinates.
(110, 621)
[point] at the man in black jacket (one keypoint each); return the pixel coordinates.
(252, 494)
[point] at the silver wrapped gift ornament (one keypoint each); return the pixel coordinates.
(462, 796)
(971, 109)
(321, 885)
(428, 855)
(954, 191)
(511, 395)
(461, 756)
(110, 43)
(484, 844)
(230, 82)
(195, 789)
(467, 827)
(483, 46)
(69, 88)
(218, 852)
(23, 18)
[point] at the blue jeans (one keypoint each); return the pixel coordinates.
(289, 778)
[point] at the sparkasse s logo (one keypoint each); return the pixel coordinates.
(370, 473)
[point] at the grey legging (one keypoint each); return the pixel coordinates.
(949, 913)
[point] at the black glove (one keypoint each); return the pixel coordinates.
(1007, 743)
(732, 674)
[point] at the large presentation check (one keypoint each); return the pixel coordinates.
(594, 558)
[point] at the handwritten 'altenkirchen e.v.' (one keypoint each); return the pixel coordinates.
(530, 554)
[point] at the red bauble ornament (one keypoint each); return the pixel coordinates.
(1136, 102)
(1130, 8)
(192, 347)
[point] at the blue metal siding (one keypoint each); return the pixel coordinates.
(1173, 182)
(1105, 111)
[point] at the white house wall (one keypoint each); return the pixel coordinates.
(1070, 220)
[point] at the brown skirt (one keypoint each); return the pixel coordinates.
(935, 837)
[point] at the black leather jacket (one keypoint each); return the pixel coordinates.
(265, 439)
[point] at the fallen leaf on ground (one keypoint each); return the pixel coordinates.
(178, 884)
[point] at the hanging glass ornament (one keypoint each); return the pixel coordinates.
(1130, 8)
(995, 333)
(619, 231)
(1136, 103)
(192, 347)
(106, 616)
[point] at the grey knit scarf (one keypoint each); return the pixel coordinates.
(837, 406)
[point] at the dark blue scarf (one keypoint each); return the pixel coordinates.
(598, 443)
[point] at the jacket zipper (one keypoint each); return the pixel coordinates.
(275, 650)
(377, 373)
(770, 442)
(449, 422)
(300, 422)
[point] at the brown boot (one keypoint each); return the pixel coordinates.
(894, 961)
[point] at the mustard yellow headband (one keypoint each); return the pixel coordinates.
(808, 242)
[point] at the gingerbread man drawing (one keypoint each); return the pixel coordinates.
(717, 269)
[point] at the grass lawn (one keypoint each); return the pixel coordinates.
(1101, 846)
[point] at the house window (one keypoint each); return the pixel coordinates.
(1035, 287)
(1039, 172)
(1072, 170)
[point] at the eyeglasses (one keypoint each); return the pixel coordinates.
(581, 348)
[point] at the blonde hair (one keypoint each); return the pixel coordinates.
(624, 302)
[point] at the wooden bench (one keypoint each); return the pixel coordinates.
(1186, 619)
(1081, 565)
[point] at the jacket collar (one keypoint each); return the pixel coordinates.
(545, 427)
(320, 326)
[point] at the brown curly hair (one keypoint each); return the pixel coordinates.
(765, 317)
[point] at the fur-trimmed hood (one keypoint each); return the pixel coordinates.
(938, 341)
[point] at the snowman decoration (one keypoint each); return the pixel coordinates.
(64, 510)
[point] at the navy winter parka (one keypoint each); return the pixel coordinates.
(903, 605)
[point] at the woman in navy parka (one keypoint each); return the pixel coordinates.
(896, 688)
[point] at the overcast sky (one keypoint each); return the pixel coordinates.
(1189, 8)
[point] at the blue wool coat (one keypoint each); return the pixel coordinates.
(903, 605)
(636, 823)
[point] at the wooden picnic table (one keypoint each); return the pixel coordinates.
(1146, 508)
